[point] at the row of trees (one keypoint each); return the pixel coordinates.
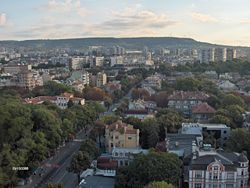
(30, 133)
(243, 67)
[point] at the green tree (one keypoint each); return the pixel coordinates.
(52, 185)
(148, 168)
(109, 119)
(239, 141)
(79, 163)
(88, 146)
(149, 133)
(231, 99)
(169, 120)
(159, 184)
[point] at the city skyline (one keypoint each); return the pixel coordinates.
(222, 21)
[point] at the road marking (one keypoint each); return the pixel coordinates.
(62, 177)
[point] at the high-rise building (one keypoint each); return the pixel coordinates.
(117, 50)
(76, 63)
(101, 79)
(231, 54)
(220, 55)
(116, 60)
(99, 61)
(207, 55)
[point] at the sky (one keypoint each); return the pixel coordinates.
(214, 21)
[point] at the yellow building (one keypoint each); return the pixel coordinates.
(121, 135)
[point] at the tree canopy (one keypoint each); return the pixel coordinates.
(148, 168)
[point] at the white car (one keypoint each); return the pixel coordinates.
(82, 183)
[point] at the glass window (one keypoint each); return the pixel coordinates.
(197, 185)
(198, 174)
(215, 176)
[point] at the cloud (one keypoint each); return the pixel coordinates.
(205, 18)
(65, 6)
(3, 19)
(245, 21)
(132, 19)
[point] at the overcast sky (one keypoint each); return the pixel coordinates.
(215, 21)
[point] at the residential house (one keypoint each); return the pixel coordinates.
(121, 135)
(184, 101)
(124, 156)
(202, 112)
(227, 86)
(142, 105)
(61, 101)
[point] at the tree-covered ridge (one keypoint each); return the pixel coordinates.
(30, 133)
(109, 42)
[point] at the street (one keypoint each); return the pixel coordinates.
(56, 167)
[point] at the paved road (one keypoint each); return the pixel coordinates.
(56, 167)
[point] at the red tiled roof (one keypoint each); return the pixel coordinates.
(119, 125)
(142, 111)
(69, 95)
(203, 108)
(40, 99)
(106, 163)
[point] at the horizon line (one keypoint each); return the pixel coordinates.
(134, 37)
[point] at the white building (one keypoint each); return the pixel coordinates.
(220, 55)
(124, 156)
(76, 63)
(217, 169)
(116, 60)
(99, 61)
(101, 79)
(207, 55)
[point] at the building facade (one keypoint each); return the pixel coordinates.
(121, 135)
(231, 54)
(184, 101)
(220, 55)
(207, 55)
(218, 169)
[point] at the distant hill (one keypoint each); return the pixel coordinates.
(152, 42)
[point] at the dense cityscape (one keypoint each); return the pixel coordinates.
(123, 112)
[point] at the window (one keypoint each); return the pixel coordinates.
(111, 145)
(225, 132)
(229, 185)
(129, 137)
(215, 167)
(241, 183)
(198, 174)
(126, 163)
(116, 137)
(210, 175)
(197, 185)
(215, 176)
(230, 175)
(121, 163)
